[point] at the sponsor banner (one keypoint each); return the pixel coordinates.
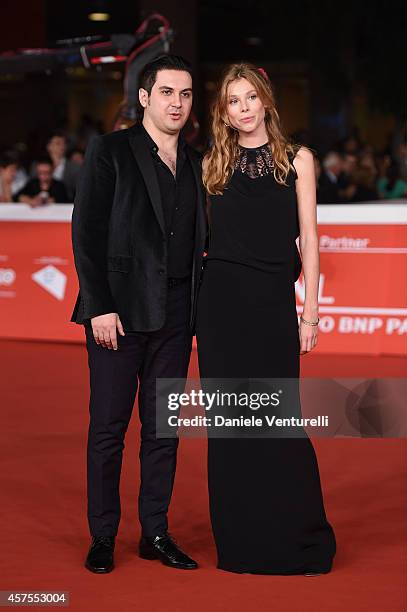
(38, 284)
(362, 293)
(362, 296)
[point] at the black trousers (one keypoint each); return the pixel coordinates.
(115, 376)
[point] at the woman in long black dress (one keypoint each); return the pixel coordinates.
(265, 496)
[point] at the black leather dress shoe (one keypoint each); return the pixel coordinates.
(166, 550)
(100, 556)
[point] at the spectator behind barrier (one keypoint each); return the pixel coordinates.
(391, 186)
(328, 184)
(401, 157)
(77, 156)
(44, 189)
(8, 172)
(63, 169)
(361, 185)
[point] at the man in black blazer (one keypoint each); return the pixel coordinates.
(138, 233)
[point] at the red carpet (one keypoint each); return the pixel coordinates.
(44, 535)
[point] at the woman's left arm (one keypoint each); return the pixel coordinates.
(307, 215)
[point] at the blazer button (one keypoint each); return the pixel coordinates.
(161, 272)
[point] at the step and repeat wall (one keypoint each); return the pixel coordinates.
(363, 273)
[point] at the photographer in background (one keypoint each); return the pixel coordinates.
(44, 189)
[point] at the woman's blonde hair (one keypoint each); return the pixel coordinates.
(220, 160)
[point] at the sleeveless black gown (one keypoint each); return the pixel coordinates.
(265, 497)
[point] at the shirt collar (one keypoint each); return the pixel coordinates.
(154, 147)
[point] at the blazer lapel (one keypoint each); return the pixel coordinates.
(143, 158)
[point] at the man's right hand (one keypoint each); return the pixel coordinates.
(104, 330)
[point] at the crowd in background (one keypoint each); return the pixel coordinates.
(50, 175)
(351, 172)
(354, 172)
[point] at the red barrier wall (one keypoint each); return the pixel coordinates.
(363, 293)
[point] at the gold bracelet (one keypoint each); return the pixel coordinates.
(309, 322)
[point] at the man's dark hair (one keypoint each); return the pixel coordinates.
(8, 158)
(56, 134)
(43, 159)
(148, 75)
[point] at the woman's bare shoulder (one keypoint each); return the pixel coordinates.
(304, 155)
(304, 161)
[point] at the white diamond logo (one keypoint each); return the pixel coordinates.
(52, 280)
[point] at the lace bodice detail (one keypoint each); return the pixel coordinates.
(255, 162)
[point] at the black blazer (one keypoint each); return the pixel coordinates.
(118, 233)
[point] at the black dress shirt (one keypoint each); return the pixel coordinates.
(178, 197)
